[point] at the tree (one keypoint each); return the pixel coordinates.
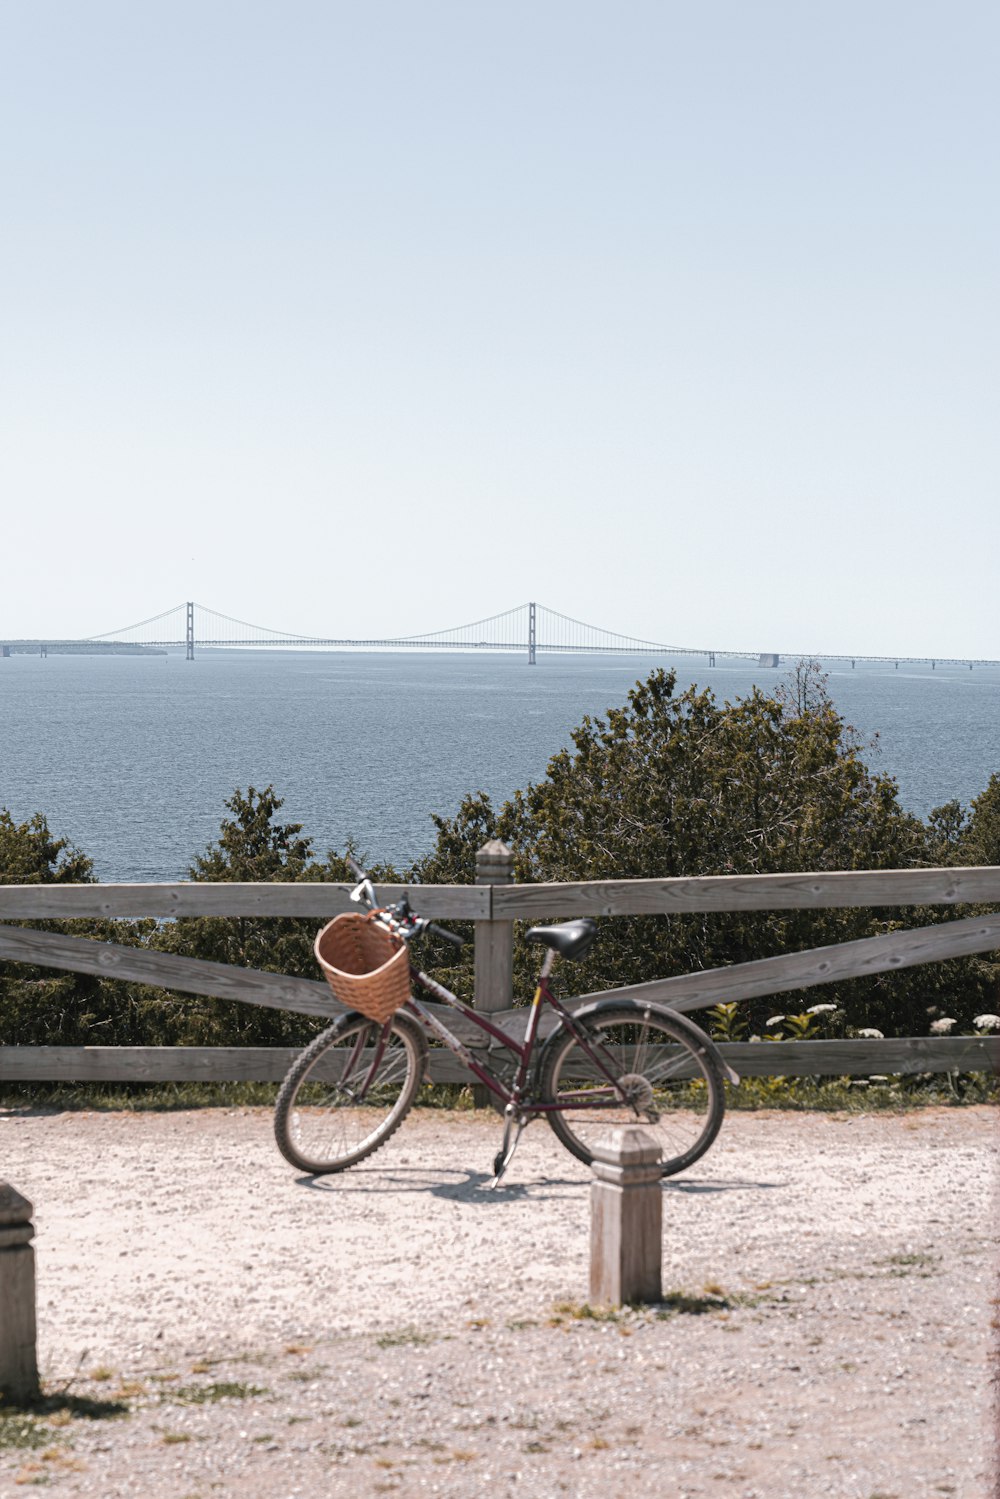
(678, 784)
(945, 830)
(252, 846)
(42, 1005)
(30, 855)
(961, 836)
(978, 841)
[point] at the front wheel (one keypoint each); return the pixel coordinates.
(648, 1066)
(348, 1092)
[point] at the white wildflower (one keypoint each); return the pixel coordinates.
(869, 1033)
(943, 1026)
(775, 1020)
(821, 1009)
(987, 1022)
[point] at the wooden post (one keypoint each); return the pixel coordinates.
(494, 939)
(18, 1358)
(626, 1219)
(494, 955)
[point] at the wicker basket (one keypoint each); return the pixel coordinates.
(366, 967)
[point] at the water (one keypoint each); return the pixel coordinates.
(132, 758)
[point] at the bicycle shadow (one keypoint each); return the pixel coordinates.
(481, 1189)
(477, 1187)
(363, 1180)
(707, 1185)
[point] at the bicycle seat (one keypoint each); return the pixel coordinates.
(570, 939)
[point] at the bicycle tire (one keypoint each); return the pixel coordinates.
(319, 1125)
(678, 1093)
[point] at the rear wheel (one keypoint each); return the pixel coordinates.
(348, 1092)
(663, 1076)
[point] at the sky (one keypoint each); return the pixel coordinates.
(355, 319)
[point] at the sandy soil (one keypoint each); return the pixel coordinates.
(402, 1329)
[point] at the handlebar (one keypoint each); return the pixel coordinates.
(440, 931)
(411, 925)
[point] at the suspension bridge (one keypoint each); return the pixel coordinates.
(529, 629)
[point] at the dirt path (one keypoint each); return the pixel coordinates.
(401, 1329)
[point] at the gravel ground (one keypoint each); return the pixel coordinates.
(401, 1329)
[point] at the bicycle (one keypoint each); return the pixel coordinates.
(614, 1061)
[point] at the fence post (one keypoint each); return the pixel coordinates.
(494, 955)
(18, 1357)
(494, 939)
(626, 1219)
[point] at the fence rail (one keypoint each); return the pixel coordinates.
(493, 904)
(314, 899)
(754, 892)
(905, 1056)
(501, 900)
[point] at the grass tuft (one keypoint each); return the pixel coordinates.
(403, 1337)
(582, 1311)
(209, 1394)
(24, 1431)
(45, 1420)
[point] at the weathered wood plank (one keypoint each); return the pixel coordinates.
(817, 965)
(894, 1055)
(904, 1055)
(166, 971)
(757, 892)
(494, 955)
(690, 991)
(320, 901)
(626, 1218)
(150, 1064)
(307, 898)
(145, 1064)
(276, 991)
(175, 1064)
(18, 1352)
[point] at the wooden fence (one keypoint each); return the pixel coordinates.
(494, 903)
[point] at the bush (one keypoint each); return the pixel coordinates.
(678, 784)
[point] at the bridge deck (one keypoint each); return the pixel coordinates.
(530, 629)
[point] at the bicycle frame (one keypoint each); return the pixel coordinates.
(514, 1096)
(524, 1050)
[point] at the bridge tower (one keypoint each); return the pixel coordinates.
(531, 635)
(189, 633)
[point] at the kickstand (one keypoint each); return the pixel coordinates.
(513, 1124)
